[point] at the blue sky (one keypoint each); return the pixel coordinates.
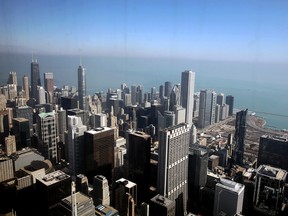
(249, 30)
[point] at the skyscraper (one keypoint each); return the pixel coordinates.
(173, 165)
(168, 89)
(41, 99)
(230, 102)
(47, 133)
(101, 191)
(26, 87)
(239, 136)
(75, 144)
(206, 108)
(220, 99)
(12, 78)
(48, 82)
(174, 97)
(187, 94)
(35, 78)
(82, 87)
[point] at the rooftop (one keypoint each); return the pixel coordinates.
(272, 172)
(230, 185)
(80, 198)
(53, 178)
(98, 130)
(127, 183)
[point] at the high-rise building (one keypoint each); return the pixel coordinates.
(82, 87)
(269, 190)
(99, 152)
(187, 94)
(162, 206)
(48, 82)
(35, 78)
(180, 114)
(24, 112)
(12, 78)
(41, 97)
(138, 154)
(75, 144)
(175, 97)
(206, 108)
(196, 105)
(228, 198)
(82, 184)
(47, 133)
(220, 99)
(197, 171)
(10, 145)
(239, 136)
(26, 87)
(230, 102)
(6, 169)
(101, 191)
(161, 91)
(61, 124)
(173, 165)
(273, 151)
(168, 89)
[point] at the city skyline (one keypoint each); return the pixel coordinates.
(209, 30)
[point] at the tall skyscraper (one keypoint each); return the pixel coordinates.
(175, 97)
(82, 87)
(239, 136)
(12, 78)
(206, 108)
(10, 145)
(22, 132)
(162, 206)
(47, 133)
(229, 197)
(41, 99)
(75, 144)
(99, 152)
(26, 87)
(161, 91)
(138, 152)
(187, 94)
(35, 78)
(220, 99)
(168, 89)
(61, 124)
(101, 191)
(230, 102)
(48, 82)
(173, 165)
(273, 151)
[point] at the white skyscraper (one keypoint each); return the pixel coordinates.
(75, 144)
(172, 181)
(82, 87)
(187, 94)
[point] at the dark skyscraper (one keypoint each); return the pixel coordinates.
(239, 136)
(168, 89)
(35, 78)
(82, 87)
(230, 102)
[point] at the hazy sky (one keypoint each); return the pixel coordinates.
(250, 30)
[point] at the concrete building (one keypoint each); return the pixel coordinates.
(162, 206)
(273, 151)
(180, 114)
(167, 89)
(228, 198)
(206, 108)
(187, 94)
(46, 123)
(6, 169)
(41, 97)
(75, 144)
(101, 194)
(61, 124)
(269, 190)
(175, 98)
(172, 180)
(10, 145)
(49, 82)
(26, 87)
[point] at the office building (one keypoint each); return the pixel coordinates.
(99, 152)
(12, 79)
(269, 190)
(41, 96)
(82, 87)
(101, 194)
(228, 199)
(68, 102)
(173, 165)
(75, 144)
(239, 137)
(48, 82)
(21, 131)
(168, 89)
(162, 206)
(187, 94)
(125, 196)
(220, 99)
(206, 108)
(10, 145)
(273, 151)
(35, 78)
(6, 169)
(197, 171)
(82, 184)
(61, 124)
(138, 154)
(161, 91)
(230, 102)
(51, 189)
(83, 205)
(46, 123)
(180, 114)
(99, 120)
(175, 98)
(24, 112)
(26, 87)
(196, 105)
(83, 114)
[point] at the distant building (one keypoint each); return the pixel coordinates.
(35, 78)
(173, 165)
(162, 206)
(228, 198)
(269, 190)
(21, 131)
(187, 94)
(220, 99)
(230, 102)
(175, 97)
(48, 82)
(239, 136)
(273, 151)
(61, 124)
(26, 87)
(68, 102)
(82, 88)
(168, 89)
(24, 112)
(41, 98)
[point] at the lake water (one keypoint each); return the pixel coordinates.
(260, 87)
